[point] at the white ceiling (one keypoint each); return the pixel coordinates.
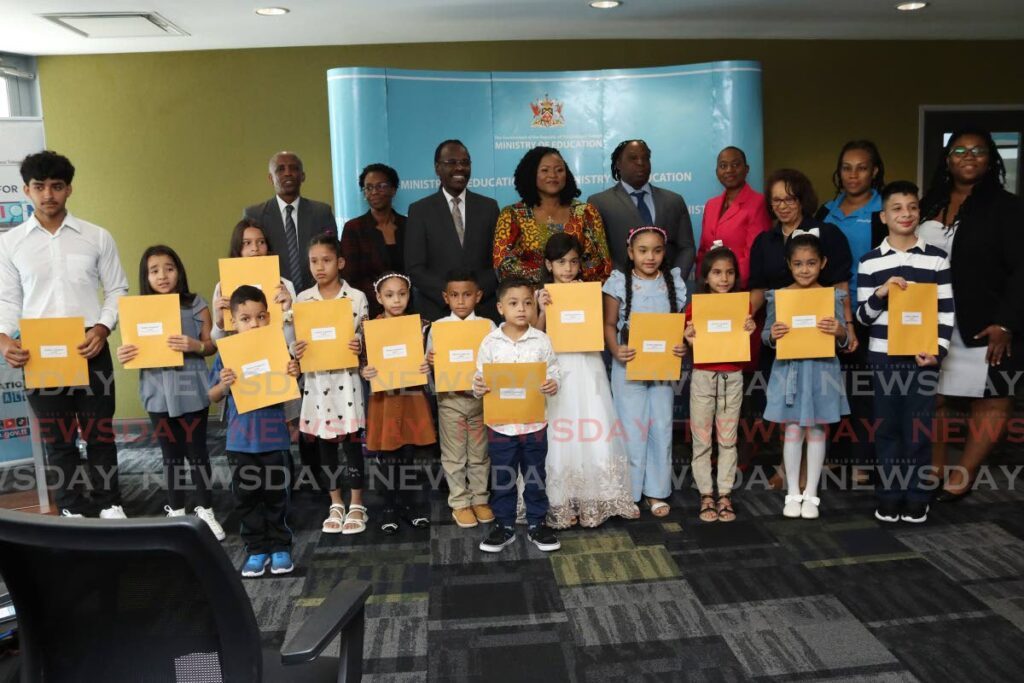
(225, 24)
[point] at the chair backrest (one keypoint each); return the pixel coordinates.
(126, 600)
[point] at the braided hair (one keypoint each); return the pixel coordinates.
(936, 199)
(665, 269)
(617, 152)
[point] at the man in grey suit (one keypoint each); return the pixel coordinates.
(451, 229)
(290, 221)
(634, 202)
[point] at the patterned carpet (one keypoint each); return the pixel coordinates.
(763, 598)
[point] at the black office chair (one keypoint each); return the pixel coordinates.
(155, 600)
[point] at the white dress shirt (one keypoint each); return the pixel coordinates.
(533, 347)
(44, 275)
(451, 317)
(648, 198)
(462, 204)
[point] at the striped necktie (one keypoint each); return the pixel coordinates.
(291, 239)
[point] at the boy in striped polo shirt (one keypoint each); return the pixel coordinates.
(905, 386)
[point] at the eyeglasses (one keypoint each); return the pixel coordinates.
(379, 187)
(960, 151)
(455, 162)
(788, 201)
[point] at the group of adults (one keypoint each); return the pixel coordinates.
(965, 211)
(54, 264)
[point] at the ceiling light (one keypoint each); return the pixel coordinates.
(605, 4)
(911, 6)
(272, 11)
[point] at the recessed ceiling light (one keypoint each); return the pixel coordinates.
(605, 4)
(272, 11)
(911, 6)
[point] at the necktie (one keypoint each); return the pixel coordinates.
(460, 227)
(291, 239)
(641, 206)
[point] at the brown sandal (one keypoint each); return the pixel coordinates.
(725, 511)
(708, 513)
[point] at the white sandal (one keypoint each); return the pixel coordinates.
(360, 524)
(335, 520)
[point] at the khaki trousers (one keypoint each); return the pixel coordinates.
(715, 401)
(464, 457)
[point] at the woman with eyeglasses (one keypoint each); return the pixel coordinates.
(372, 243)
(967, 212)
(791, 204)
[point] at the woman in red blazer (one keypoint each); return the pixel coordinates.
(735, 217)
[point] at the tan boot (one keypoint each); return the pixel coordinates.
(464, 517)
(483, 513)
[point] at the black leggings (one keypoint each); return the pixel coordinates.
(400, 478)
(355, 464)
(184, 438)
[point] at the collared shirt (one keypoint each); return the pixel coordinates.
(533, 347)
(44, 275)
(281, 204)
(451, 317)
(648, 198)
(920, 263)
(462, 203)
(856, 226)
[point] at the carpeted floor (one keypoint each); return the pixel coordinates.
(763, 598)
(839, 598)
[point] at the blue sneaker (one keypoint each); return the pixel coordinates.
(281, 563)
(255, 565)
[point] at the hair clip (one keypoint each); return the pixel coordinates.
(813, 231)
(717, 243)
(388, 276)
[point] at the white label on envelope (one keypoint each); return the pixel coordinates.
(323, 333)
(804, 321)
(512, 393)
(460, 356)
(654, 346)
(911, 317)
(150, 329)
(395, 351)
(573, 317)
(259, 367)
(53, 351)
(719, 326)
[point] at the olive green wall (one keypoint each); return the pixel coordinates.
(171, 146)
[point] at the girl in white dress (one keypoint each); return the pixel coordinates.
(332, 401)
(587, 467)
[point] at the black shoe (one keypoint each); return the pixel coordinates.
(389, 521)
(415, 518)
(950, 497)
(499, 537)
(544, 538)
(888, 511)
(915, 512)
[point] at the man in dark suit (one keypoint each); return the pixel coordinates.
(633, 202)
(452, 228)
(290, 221)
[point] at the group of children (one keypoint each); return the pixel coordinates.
(561, 480)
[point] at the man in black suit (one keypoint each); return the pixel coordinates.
(290, 221)
(633, 202)
(452, 228)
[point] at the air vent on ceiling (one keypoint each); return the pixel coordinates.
(116, 24)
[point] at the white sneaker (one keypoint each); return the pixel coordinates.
(68, 513)
(809, 509)
(792, 507)
(113, 512)
(206, 514)
(171, 512)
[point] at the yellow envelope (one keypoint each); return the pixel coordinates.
(327, 327)
(718, 322)
(802, 309)
(914, 319)
(394, 346)
(575, 318)
(54, 360)
(262, 272)
(456, 343)
(147, 322)
(514, 396)
(259, 358)
(653, 335)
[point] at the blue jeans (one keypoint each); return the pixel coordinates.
(512, 455)
(904, 411)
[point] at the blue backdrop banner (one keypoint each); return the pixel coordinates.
(685, 113)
